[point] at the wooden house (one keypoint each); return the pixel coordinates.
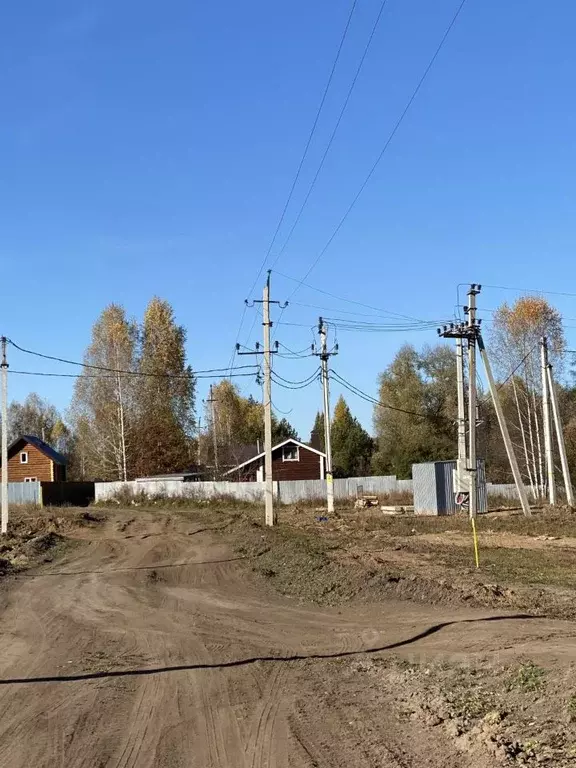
(291, 460)
(30, 459)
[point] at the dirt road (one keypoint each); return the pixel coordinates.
(150, 646)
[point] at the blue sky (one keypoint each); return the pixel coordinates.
(149, 149)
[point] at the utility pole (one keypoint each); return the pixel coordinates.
(472, 463)
(269, 490)
(462, 452)
(560, 438)
(270, 514)
(4, 367)
(471, 332)
(324, 358)
(547, 423)
(212, 401)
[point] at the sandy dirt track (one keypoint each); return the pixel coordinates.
(150, 646)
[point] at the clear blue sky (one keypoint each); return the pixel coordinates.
(149, 149)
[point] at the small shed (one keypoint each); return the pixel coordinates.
(434, 490)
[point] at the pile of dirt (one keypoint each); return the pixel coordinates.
(520, 714)
(41, 536)
(426, 561)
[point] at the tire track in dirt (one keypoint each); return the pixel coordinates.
(261, 742)
(240, 692)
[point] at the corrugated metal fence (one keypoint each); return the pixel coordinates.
(287, 492)
(24, 493)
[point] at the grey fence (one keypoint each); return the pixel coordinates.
(176, 488)
(286, 491)
(24, 493)
(508, 490)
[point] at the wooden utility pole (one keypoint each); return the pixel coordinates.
(560, 438)
(547, 422)
(472, 463)
(4, 367)
(324, 358)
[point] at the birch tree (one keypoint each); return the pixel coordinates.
(515, 338)
(103, 406)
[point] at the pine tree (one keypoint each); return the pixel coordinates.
(317, 435)
(352, 446)
(165, 395)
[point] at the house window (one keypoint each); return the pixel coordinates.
(30, 479)
(24, 457)
(290, 453)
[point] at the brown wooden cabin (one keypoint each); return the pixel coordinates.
(30, 459)
(291, 460)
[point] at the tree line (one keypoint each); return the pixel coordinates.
(133, 411)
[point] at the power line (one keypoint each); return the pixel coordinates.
(192, 377)
(365, 327)
(386, 145)
(300, 164)
(334, 132)
(302, 385)
(118, 370)
(341, 298)
(308, 379)
(359, 393)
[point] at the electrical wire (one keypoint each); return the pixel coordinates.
(359, 326)
(385, 147)
(334, 132)
(119, 370)
(279, 410)
(287, 386)
(192, 377)
(365, 396)
(341, 298)
(520, 364)
(308, 379)
(301, 163)
(299, 352)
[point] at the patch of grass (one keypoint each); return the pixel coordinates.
(529, 678)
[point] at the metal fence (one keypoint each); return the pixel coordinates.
(24, 493)
(286, 491)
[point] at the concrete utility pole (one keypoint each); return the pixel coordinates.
(462, 452)
(472, 463)
(269, 490)
(471, 332)
(271, 518)
(547, 422)
(504, 430)
(560, 438)
(4, 367)
(212, 401)
(324, 358)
